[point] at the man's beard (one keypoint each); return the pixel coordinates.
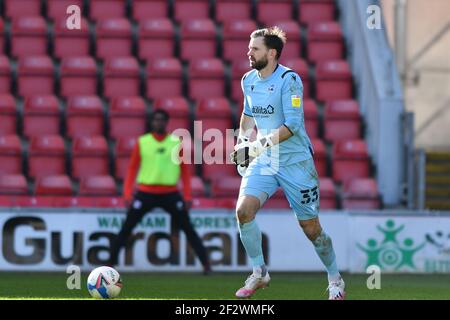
(261, 64)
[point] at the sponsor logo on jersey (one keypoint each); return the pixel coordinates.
(261, 110)
(296, 101)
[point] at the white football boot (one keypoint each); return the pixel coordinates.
(336, 290)
(253, 283)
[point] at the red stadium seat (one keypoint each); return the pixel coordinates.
(164, 78)
(121, 77)
(78, 76)
(71, 43)
(8, 115)
(320, 157)
(10, 155)
(301, 67)
(238, 69)
(35, 75)
(361, 194)
(293, 47)
(2, 36)
(342, 120)
(46, 156)
(228, 10)
(59, 185)
(311, 118)
(226, 187)
(5, 75)
(327, 194)
(333, 80)
(236, 36)
(206, 78)
(204, 203)
(105, 9)
(350, 160)
(84, 116)
(178, 109)
(156, 39)
(29, 36)
(98, 186)
(124, 148)
(198, 39)
(144, 9)
(13, 184)
(191, 9)
(316, 10)
(41, 116)
(57, 9)
(197, 187)
(325, 41)
(22, 8)
(270, 12)
(89, 157)
(214, 113)
(127, 117)
(216, 164)
(113, 38)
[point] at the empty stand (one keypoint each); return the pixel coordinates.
(113, 38)
(228, 10)
(84, 116)
(41, 116)
(8, 115)
(59, 185)
(29, 36)
(127, 117)
(57, 9)
(5, 75)
(311, 118)
(13, 184)
(22, 8)
(310, 11)
(327, 194)
(46, 156)
(293, 47)
(206, 78)
(10, 155)
(198, 39)
(333, 80)
(342, 120)
(361, 194)
(89, 157)
(105, 9)
(70, 43)
(325, 41)
(121, 77)
(320, 157)
(156, 39)
(191, 9)
(98, 186)
(271, 11)
(35, 75)
(78, 76)
(236, 38)
(144, 9)
(164, 78)
(238, 69)
(350, 160)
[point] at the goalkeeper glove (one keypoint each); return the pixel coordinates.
(245, 151)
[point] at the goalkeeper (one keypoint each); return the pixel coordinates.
(281, 156)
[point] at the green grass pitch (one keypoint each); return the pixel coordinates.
(284, 286)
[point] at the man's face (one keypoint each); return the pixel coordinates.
(159, 123)
(258, 53)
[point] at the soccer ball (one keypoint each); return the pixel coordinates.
(104, 283)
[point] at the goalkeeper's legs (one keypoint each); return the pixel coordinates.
(251, 238)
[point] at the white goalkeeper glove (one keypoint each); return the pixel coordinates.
(245, 151)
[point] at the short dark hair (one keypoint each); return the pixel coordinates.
(274, 38)
(164, 113)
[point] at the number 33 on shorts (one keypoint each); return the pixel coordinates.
(309, 195)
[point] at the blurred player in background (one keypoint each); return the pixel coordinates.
(281, 156)
(157, 177)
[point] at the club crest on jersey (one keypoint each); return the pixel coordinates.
(271, 88)
(296, 101)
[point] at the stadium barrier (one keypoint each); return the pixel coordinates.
(50, 240)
